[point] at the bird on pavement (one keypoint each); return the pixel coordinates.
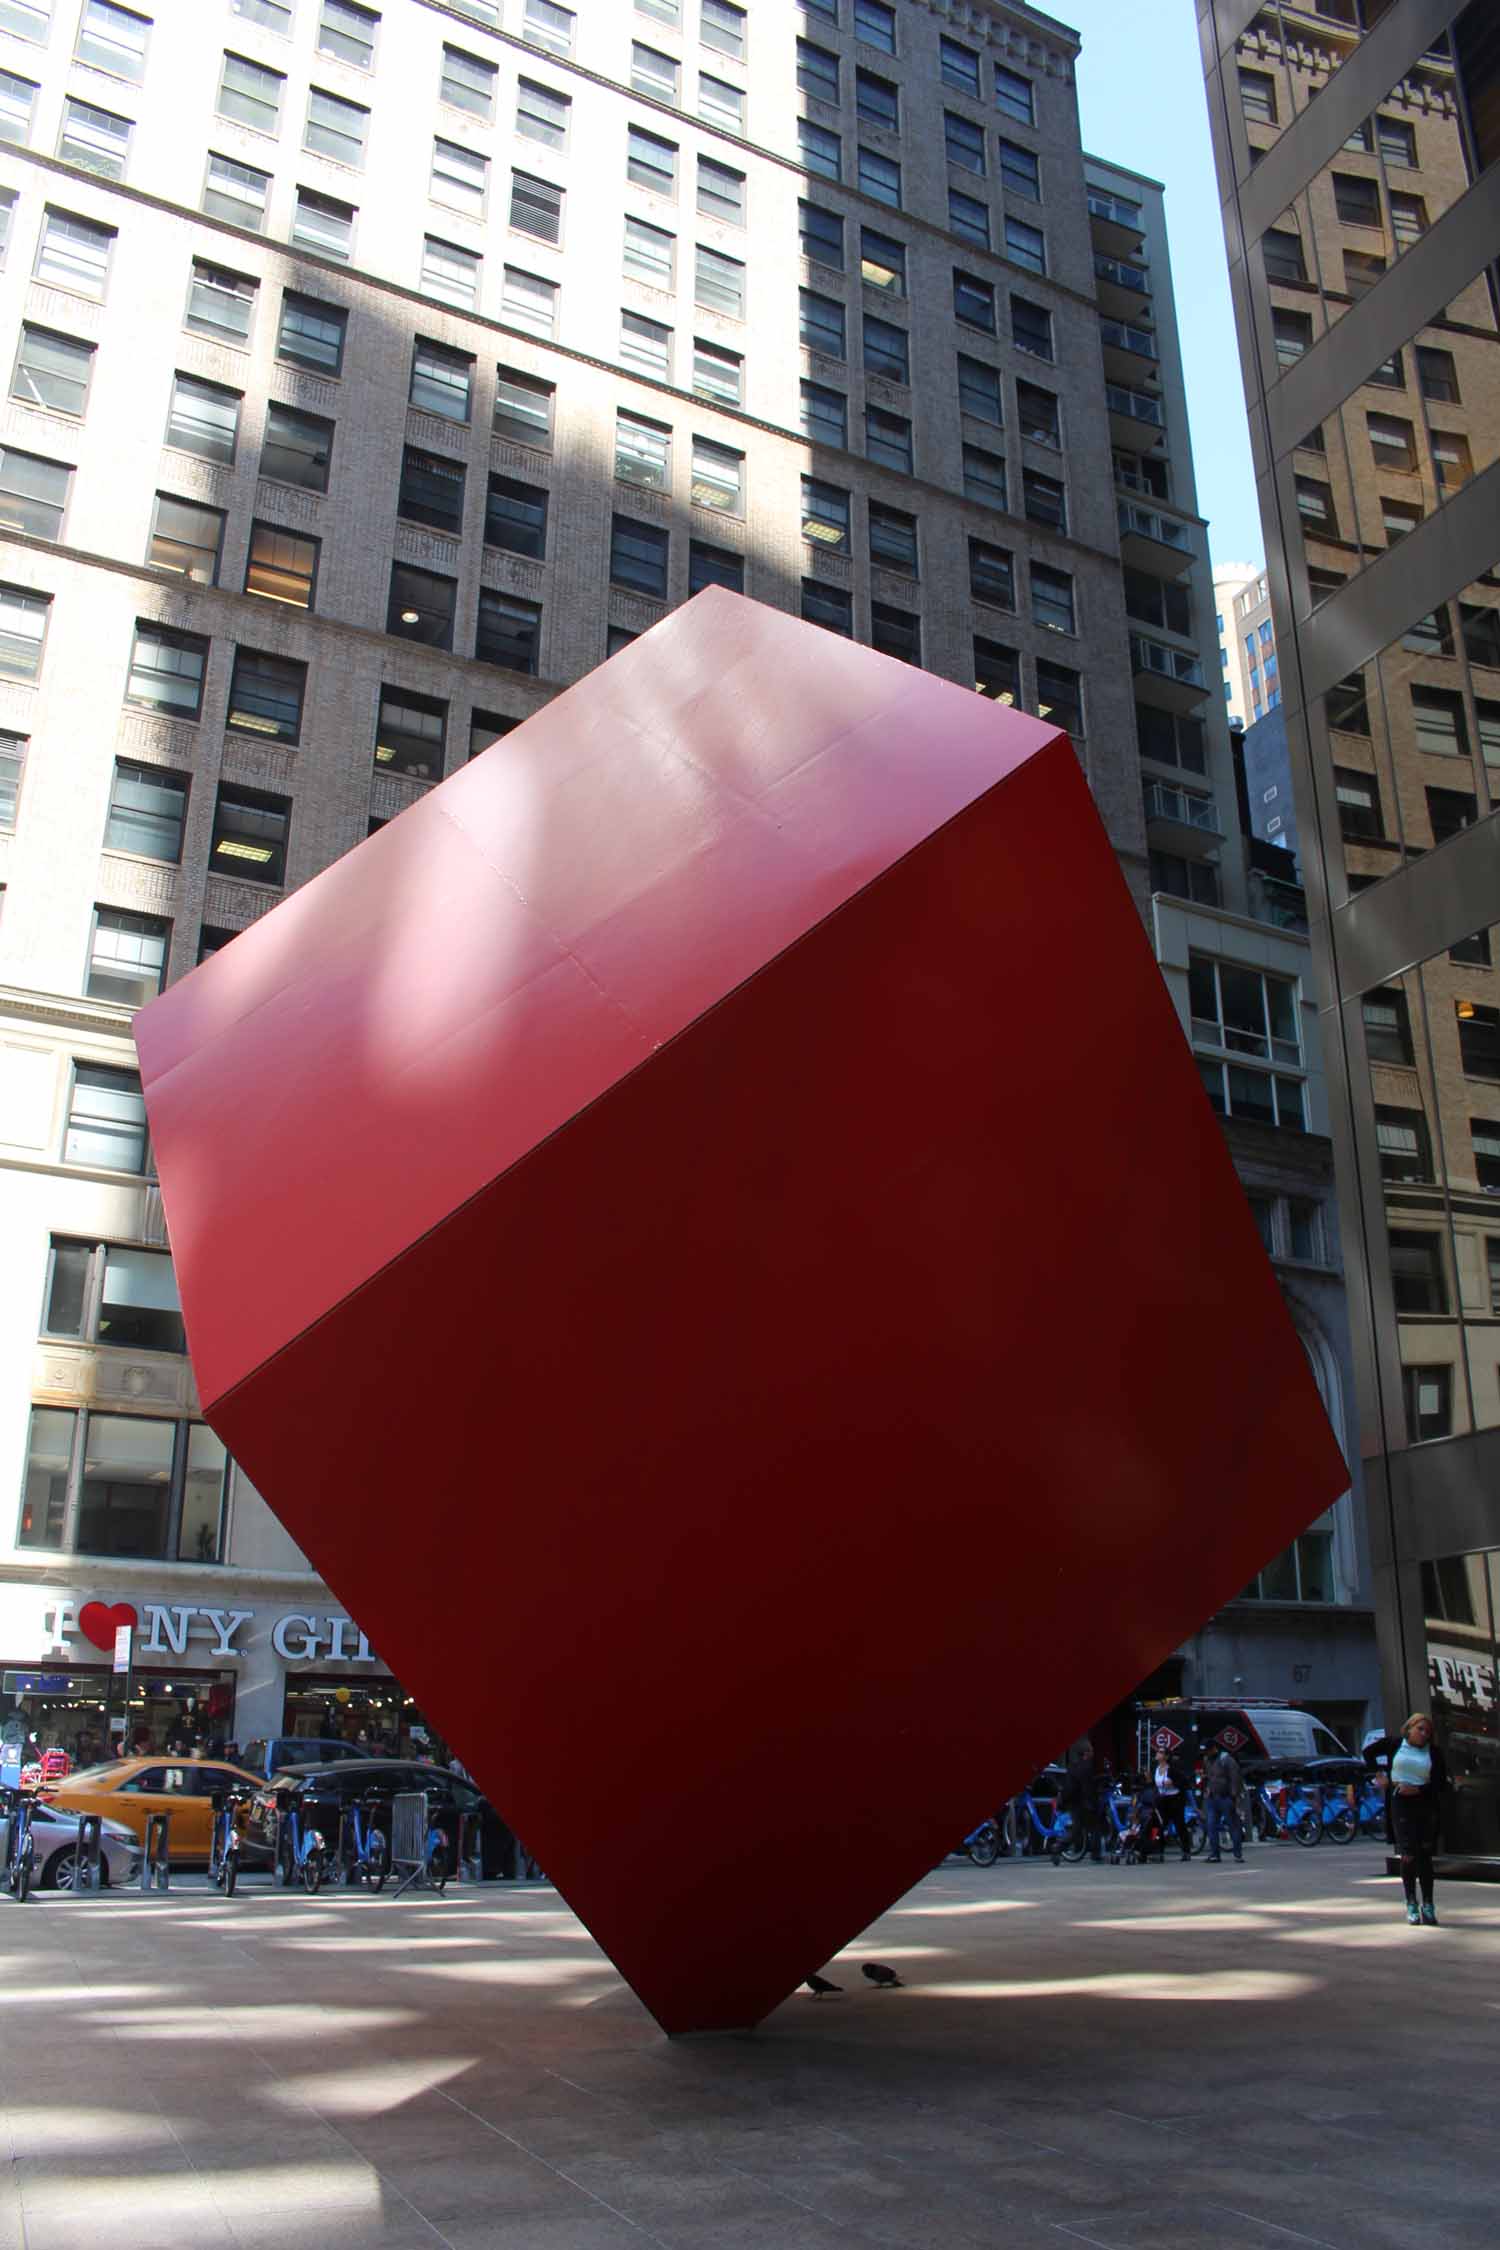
(879, 1974)
(820, 1987)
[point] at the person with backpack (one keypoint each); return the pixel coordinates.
(1223, 1787)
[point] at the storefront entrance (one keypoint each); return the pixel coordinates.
(71, 1709)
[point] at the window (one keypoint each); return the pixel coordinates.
(817, 72)
(113, 39)
(1059, 695)
(204, 419)
(1437, 376)
(529, 301)
(186, 537)
(442, 381)
(101, 1292)
(266, 695)
(1045, 500)
(1408, 220)
(324, 225)
(1481, 632)
(1392, 441)
(722, 27)
(992, 575)
(1418, 1282)
(651, 162)
(973, 301)
(959, 67)
(887, 350)
(220, 304)
(432, 490)
(1387, 1025)
(1441, 727)
(411, 733)
(820, 150)
(718, 374)
(1019, 171)
(95, 139)
(52, 371)
(509, 633)
(821, 323)
(536, 207)
(875, 23)
(17, 98)
(515, 517)
(311, 334)
(896, 632)
(968, 217)
(721, 192)
(1389, 375)
(347, 32)
(421, 606)
(1356, 199)
(74, 254)
(1362, 269)
(1452, 460)
(547, 25)
(1255, 1094)
(1184, 878)
(1025, 245)
(1428, 1396)
(1258, 97)
(1358, 801)
(1396, 141)
(271, 15)
(26, 18)
(650, 253)
(984, 477)
(1281, 248)
(893, 540)
(1247, 1011)
(979, 390)
(460, 178)
(1052, 604)
(719, 283)
(251, 828)
(638, 556)
(336, 128)
(1014, 96)
(487, 727)
(822, 235)
(147, 812)
(1038, 414)
(1402, 1141)
(832, 607)
(825, 415)
(1315, 506)
(106, 1126)
(1478, 1039)
(1484, 1132)
(882, 262)
(888, 439)
(469, 82)
(298, 447)
(236, 192)
(1449, 811)
(876, 101)
(282, 565)
(997, 672)
(646, 344)
(449, 272)
(166, 671)
(825, 515)
(718, 477)
(128, 965)
(542, 114)
(523, 408)
(880, 178)
(1397, 518)
(964, 142)
(250, 94)
(714, 566)
(720, 104)
(1031, 328)
(1293, 333)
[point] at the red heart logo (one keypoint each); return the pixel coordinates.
(99, 1621)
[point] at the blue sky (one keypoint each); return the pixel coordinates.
(1141, 102)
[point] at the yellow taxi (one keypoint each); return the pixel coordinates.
(131, 1789)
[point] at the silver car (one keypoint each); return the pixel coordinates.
(54, 1837)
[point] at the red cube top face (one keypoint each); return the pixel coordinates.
(708, 1233)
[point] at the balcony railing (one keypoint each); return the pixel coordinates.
(1185, 806)
(1135, 404)
(1126, 339)
(1116, 208)
(1168, 663)
(1147, 524)
(1122, 274)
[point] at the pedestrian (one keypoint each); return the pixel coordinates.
(1419, 1775)
(1079, 1798)
(1171, 1783)
(1223, 1786)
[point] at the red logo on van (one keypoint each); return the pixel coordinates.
(1232, 1738)
(1166, 1740)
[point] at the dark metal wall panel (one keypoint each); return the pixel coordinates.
(1438, 899)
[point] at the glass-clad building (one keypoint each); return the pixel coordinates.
(1357, 145)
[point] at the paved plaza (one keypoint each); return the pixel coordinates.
(1263, 2057)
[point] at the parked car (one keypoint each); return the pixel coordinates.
(131, 1789)
(54, 1837)
(331, 1787)
(267, 1757)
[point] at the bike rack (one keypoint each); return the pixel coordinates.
(409, 1838)
(156, 1873)
(86, 1854)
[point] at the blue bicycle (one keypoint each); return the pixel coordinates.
(1297, 1815)
(366, 1848)
(20, 1844)
(224, 1845)
(983, 1844)
(439, 1859)
(301, 1851)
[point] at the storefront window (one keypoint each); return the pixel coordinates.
(1459, 1594)
(374, 1714)
(71, 1710)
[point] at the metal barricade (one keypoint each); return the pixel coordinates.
(87, 1875)
(409, 1837)
(156, 1859)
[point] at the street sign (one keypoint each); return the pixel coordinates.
(122, 1648)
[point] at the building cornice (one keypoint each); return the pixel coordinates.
(61, 1011)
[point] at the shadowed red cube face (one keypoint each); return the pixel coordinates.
(707, 1232)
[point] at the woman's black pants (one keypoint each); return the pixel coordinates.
(1414, 1828)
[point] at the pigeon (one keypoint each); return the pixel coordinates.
(820, 1987)
(879, 1974)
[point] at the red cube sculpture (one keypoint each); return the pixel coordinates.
(708, 1233)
